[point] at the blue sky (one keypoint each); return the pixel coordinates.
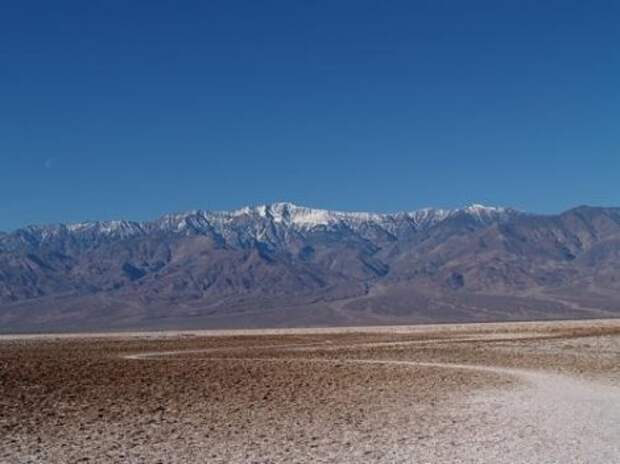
(116, 109)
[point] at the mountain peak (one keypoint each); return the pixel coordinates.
(478, 207)
(263, 257)
(282, 213)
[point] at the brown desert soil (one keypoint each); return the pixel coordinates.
(515, 392)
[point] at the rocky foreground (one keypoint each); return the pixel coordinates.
(504, 393)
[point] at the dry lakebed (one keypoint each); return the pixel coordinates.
(536, 392)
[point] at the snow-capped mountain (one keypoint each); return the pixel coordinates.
(253, 223)
(287, 264)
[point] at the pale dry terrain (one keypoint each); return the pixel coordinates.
(501, 393)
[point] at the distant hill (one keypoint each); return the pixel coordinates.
(287, 265)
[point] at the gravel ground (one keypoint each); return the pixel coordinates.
(501, 393)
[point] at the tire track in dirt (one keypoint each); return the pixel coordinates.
(545, 418)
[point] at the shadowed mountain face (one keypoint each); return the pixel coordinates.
(284, 265)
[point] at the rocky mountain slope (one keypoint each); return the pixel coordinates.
(282, 264)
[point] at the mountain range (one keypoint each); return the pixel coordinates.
(286, 265)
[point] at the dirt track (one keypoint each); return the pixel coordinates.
(527, 393)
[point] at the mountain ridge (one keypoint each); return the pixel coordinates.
(283, 264)
(276, 210)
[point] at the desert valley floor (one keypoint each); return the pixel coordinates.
(480, 393)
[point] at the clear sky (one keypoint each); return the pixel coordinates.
(130, 109)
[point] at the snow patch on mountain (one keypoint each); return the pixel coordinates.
(261, 223)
